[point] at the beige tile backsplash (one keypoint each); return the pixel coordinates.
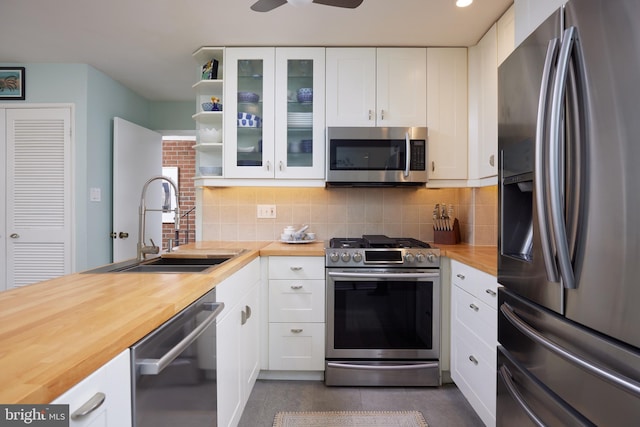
(230, 213)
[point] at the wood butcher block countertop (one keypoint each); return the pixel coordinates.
(483, 258)
(55, 333)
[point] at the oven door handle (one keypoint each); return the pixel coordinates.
(155, 366)
(399, 367)
(376, 275)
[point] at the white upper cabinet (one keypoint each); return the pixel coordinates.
(506, 34)
(249, 114)
(274, 113)
(531, 13)
(483, 109)
(376, 87)
(300, 107)
(447, 116)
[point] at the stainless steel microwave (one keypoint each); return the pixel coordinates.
(377, 156)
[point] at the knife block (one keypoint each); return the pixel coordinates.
(448, 237)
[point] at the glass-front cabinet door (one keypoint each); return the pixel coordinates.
(299, 150)
(249, 113)
(274, 113)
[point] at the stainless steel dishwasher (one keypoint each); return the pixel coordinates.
(174, 369)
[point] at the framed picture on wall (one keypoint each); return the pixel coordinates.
(12, 83)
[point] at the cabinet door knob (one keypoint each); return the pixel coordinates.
(14, 235)
(460, 276)
(473, 359)
(381, 114)
(492, 160)
(281, 166)
(248, 310)
(474, 307)
(433, 166)
(123, 234)
(370, 115)
(268, 165)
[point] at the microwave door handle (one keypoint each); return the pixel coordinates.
(540, 178)
(408, 156)
(556, 167)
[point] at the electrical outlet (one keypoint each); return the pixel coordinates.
(266, 211)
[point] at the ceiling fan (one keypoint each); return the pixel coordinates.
(267, 5)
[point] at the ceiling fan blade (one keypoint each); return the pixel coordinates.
(350, 4)
(267, 5)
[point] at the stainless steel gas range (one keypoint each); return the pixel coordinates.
(383, 312)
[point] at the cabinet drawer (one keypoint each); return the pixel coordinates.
(474, 372)
(296, 300)
(296, 267)
(296, 346)
(113, 380)
(478, 283)
(477, 316)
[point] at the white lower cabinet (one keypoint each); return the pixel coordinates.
(238, 342)
(474, 337)
(104, 397)
(296, 313)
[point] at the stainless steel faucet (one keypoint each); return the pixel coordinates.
(143, 249)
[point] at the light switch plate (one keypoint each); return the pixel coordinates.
(266, 211)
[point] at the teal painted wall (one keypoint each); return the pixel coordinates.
(97, 98)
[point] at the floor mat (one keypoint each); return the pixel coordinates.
(350, 418)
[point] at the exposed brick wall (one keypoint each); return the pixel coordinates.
(181, 154)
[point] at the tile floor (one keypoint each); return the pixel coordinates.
(441, 406)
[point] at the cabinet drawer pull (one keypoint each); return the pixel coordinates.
(296, 287)
(474, 307)
(473, 360)
(294, 268)
(460, 276)
(381, 114)
(296, 331)
(491, 292)
(433, 166)
(370, 114)
(91, 405)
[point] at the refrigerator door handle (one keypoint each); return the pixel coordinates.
(606, 374)
(556, 166)
(540, 178)
(506, 377)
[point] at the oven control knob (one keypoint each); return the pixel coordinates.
(409, 258)
(346, 257)
(357, 257)
(334, 257)
(420, 257)
(431, 257)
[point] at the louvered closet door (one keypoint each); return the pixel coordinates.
(38, 194)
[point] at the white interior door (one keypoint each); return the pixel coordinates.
(39, 190)
(137, 156)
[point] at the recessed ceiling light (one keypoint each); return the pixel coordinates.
(463, 3)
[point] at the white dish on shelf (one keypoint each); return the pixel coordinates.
(298, 241)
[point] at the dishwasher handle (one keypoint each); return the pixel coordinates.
(155, 366)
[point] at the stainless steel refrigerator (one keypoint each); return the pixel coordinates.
(569, 220)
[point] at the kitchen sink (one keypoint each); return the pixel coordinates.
(172, 264)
